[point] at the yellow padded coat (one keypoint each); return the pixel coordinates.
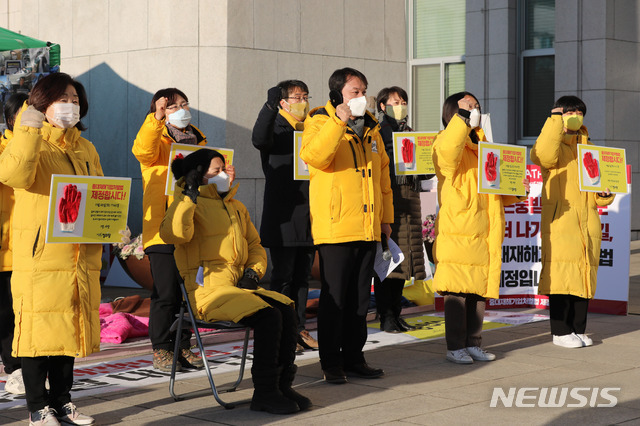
(349, 190)
(6, 215)
(56, 287)
(218, 235)
(469, 226)
(152, 147)
(570, 228)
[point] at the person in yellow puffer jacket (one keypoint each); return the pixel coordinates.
(213, 232)
(570, 228)
(351, 204)
(56, 287)
(469, 230)
(12, 365)
(168, 122)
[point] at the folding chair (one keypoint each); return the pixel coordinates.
(186, 320)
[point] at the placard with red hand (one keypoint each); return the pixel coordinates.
(602, 168)
(181, 149)
(412, 153)
(501, 169)
(87, 209)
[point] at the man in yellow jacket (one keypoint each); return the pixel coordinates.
(570, 227)
(351, 203)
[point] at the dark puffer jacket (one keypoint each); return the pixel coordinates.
(406, 229)
(285, 214)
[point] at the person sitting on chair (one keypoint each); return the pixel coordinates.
(212, 230)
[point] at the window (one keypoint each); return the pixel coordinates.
(537, 65)
(436, 66)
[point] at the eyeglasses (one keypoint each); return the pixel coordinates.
(299, 98)
(176, 107)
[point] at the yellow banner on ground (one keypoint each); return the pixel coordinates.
(181, 149)
(87, 209)
(412, 153)
(300, 168)
(501, 169)
(431, 327)
(602, 167)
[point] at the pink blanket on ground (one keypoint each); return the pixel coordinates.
(116, 328)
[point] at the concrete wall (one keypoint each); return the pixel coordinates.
(597, 57)
(224, 54)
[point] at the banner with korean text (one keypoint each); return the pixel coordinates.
(412, 153)
(87, 209)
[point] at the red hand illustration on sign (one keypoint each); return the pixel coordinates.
(591, 165)
(490, 167)
(407, 152)
(68, 207)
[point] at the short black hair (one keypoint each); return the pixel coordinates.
(11, 108)
(384, 94)
(288, 86)
(450, 106)
(170, 93)
(339, 78)
(570, 104)
(197, 160)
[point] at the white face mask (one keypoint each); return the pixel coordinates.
(181, 118)
(65, 115)
(358, 106)
(221, 180)
(474, 118)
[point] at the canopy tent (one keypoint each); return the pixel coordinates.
(10, 40)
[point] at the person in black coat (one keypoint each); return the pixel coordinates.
(407, 225)
(286, 225)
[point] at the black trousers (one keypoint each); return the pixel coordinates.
(290, 276)
(568, 314)
(388, 296)
(346, 270)
(275, 334)
(7, 325)
(34, 373)
(165, 299)
(463, 318)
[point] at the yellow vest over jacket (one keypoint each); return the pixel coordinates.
(570, 228)
(56, 287)
(152, 148)
(218, 235)
(469, 226)
(349, 190)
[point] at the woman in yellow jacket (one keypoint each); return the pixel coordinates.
(168, 122)
(570, 228)
(56, 287)
(469, 230)
(213, 231)
(12, 365)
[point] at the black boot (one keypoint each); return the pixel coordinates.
(286, 380)
(266, 395)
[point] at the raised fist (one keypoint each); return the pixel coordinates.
(273, 97)
(161, 108)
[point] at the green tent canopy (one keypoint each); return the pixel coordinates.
(11, 41)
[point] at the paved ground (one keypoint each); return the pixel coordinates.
(421, 388)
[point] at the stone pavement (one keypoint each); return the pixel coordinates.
(421, 388)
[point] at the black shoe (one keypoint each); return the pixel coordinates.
(390, 325)
(335, 375)
(404, 325)
(363, 371)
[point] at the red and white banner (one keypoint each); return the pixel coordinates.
(522, 254)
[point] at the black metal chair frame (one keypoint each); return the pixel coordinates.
(186, 320)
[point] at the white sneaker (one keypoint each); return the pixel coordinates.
(586, 341)
(461, 356)
(479, 354)
(44, 417)
(14, 383)
(69, 415)
(568, 341)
